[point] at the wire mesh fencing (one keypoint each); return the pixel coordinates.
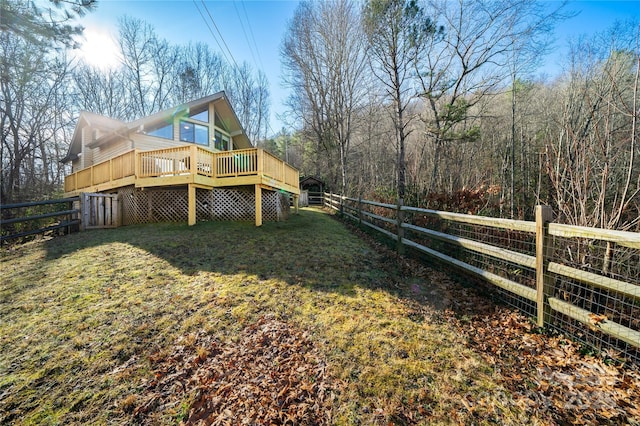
(595, 292)
(584, 282)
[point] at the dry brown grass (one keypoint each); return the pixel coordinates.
(85, 317)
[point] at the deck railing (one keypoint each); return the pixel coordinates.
(115, 168)
(291, 176)
(243, 162)
(123, 165)
(164, 162)
(184, 160)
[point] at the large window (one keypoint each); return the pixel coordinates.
(195, 133)
(221, 141)
(161, 130)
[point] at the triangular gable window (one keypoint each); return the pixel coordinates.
(221, 124)
(161, 130)
(201, 116)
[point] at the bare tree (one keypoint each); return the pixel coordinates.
(530, 40)
(33, 81)
(592, 163)
(323, 54)
(372, 152)
(102, 92)
(397, 31)
(249, 95)
(201, 72)
(30, 120)
(456, 71)
(150, 66)
(136, 39)
(165, 58)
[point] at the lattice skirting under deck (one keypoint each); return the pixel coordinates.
(153, 205)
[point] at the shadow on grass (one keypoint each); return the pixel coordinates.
(310, 249)
(218, 277)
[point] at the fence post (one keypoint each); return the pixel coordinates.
(400, 229)
(119, 210)
(544, 215)
(360, 210)
(341, 198)
(69, 217)
(84, 210)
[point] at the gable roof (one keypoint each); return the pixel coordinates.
(311, 180)
(97, 120)
(116, 129)
(92, 119)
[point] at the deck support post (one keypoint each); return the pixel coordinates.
(192, 205)
(258, 205)
(296, 203)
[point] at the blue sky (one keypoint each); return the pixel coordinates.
(265, 21)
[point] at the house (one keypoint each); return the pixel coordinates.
(188, 163)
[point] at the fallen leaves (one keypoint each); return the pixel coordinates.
(272, 374)
(550, 377)
(595, 320)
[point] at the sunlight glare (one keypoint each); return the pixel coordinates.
(99, 49)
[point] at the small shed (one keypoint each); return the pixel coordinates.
(315, 188)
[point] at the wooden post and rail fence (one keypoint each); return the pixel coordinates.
(579, 296)
(21, 220)
(86, 211)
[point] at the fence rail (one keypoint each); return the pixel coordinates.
(17, 222)
(582, 281)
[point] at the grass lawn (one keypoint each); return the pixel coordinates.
(158, 324)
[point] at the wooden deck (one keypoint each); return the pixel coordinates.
(185, 165)
(188, 165)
